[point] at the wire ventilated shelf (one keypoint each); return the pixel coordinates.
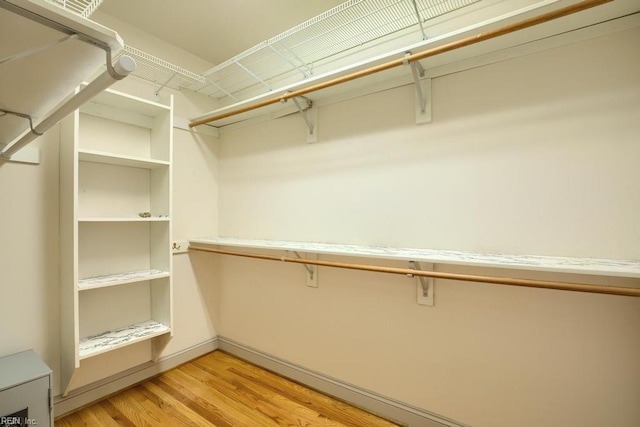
(163, 73)
(84, 8)
(295, 53)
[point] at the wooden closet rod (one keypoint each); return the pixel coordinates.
(530, 283)
(546, 17)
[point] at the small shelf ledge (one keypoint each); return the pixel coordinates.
(112, 340)
(124, 219)
(119, 160)
(120, 279)
(573, 265)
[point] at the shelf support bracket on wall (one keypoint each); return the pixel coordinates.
(26, 154)
(309, 115)
(312, 270)
(419, 19)
(157, 92)
(425, 286)
(422, 92)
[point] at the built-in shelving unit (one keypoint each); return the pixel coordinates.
(575, 265)
(115, 225)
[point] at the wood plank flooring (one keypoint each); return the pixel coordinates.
(220, 390)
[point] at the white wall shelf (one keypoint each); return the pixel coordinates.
(574, 265)
(114, 159)
(107, 280)
(121, 337)
(115, 163)
(125, 219)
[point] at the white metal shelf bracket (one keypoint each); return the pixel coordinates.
(157, 92)
(293, 65)
(309, 115)
(419, 19)
(312, 270)
(425, 286)
(221, 89)
(26, 154)
(254, 75)
(423, 91)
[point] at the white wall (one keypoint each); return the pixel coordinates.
(536, 155)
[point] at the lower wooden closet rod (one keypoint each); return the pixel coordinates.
(530, 283)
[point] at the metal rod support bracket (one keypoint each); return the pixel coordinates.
(312, 270)
(157, 92)
(422, 92)
(425, 286)
(309, 115)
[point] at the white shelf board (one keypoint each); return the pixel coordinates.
(121, 107)
(574, 265)
(119, 160)
(124, 101)
(123, 219)
(112, 340)
(120, 279)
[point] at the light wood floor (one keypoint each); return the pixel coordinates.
(220, 390)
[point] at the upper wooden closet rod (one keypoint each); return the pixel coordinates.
(546, 17)
(544, 284)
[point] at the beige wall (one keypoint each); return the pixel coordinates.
(29, 255)
(536, 155)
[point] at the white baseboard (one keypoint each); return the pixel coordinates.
(372, 402)
(92, 392)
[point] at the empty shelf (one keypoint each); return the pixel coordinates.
(124, 219)
(118, 160)
(594, 266)
(111, 340)
(120, 279)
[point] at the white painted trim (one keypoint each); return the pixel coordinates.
(372, 402)
(92, 392)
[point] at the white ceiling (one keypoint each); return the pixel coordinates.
(215, 30)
